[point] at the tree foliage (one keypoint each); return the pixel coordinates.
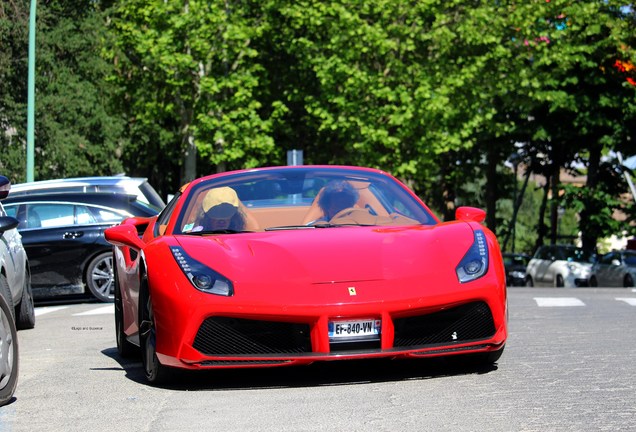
(439, 92)
(76, 131)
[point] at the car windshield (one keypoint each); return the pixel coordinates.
(299, 198)
(575, 254)
(515, 260)
(630, 259)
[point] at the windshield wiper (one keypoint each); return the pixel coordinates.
(218, 231)
(315, 226)
(289, 227)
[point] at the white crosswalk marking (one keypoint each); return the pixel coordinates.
(99, 311)
(48, 309)
(558, 301)
(630, 301)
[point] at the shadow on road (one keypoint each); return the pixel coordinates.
(348, 372)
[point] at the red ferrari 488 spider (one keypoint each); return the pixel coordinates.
(292, 265)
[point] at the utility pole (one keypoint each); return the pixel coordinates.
(31, 95)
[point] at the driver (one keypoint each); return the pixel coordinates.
(336, 196)
(221, 211)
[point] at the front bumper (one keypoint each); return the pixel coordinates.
(233, 341)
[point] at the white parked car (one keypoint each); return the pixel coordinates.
(137, 186)
(615, 269)
(559, 266)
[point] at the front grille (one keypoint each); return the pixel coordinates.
(469, 322)
(236, 336)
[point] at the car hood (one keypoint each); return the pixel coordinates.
(406, 255)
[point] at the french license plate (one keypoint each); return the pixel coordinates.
(355, 329)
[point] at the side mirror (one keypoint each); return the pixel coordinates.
(124, 235)
(7, 223)
(616, 262)
(470, 214)
(5, 187)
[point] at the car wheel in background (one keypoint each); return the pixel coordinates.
(593, 281)
(5, 292)
(25, 313)
(529, 282)
(124, 347)
(8, 350)
(628, 281)
(155, 372)
(99, 277)
(559, 281)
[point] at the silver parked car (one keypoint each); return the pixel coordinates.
(559, 266)
(16, 300)
(615, 269)
(120, 184)
(15, 274)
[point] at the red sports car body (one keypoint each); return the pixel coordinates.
(308, 263)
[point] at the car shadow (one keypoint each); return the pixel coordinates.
(329, 373)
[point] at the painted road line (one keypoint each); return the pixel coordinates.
(630, 301)
(558, 301)
(110, 309)
(48, 309)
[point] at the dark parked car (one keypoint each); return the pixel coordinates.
(63, 234)
(615, 269)
(516, 264)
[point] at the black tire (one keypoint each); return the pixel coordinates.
(593, 281)
(485, 359)
(559, 281)
(25, 311)
(5, 292)
(8, 349)
(99, 277)
(155, 372)
(125, 348)
(628, 282)
(529, 282)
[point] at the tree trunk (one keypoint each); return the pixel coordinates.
(541, 227)
(588, 236)
(491, 190)
(515, 210)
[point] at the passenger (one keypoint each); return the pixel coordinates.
(336, 196)
(220, 211)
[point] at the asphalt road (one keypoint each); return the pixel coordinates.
(569, 366)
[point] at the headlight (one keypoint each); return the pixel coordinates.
(475, 263)
(202, 277)
(518, 274)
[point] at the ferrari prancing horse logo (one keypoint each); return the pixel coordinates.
(352, 291)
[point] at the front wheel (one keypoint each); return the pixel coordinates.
(8, 352)
(559, 281)
(629, 281)
(593, 281)
(99, 277)
(529, 282)
(155, 372)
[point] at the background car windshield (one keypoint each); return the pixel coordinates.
(630, 259)
(287, 195)
(579, 255)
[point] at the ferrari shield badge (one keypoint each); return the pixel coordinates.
(352, 291)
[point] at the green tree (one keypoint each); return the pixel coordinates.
(76, 131)
(189, 81)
